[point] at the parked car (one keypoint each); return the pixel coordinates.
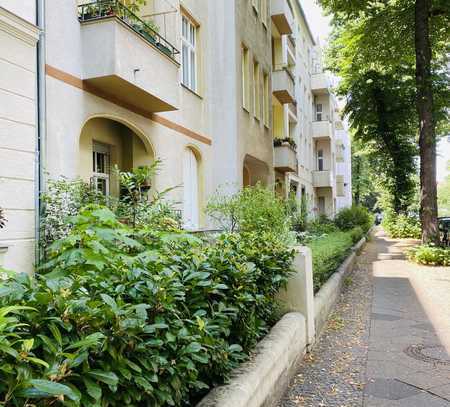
(444, 229)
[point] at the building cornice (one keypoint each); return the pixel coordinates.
(18, 27)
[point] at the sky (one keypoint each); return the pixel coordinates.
(320, 27)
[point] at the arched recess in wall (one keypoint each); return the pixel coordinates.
(191, 188)
(254, 171)
(107, 141)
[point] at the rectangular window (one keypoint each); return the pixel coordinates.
(320, 160)
(319, 111)
(266, 104)
(189, 53)
(340, 190)
(101, 168)
(256, 91)
(245, 78)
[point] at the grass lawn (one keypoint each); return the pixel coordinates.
(328, 252)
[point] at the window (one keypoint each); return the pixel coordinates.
(188, 51)
(190, 190)
(101, 168)
(319, 111)
(266, 102)
(321, 205)
(320, 160)
(256, 91)
(340, 191)
(245, 78)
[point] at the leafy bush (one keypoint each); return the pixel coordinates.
(402, 226)
(430, 255)
(321, 225)
(328, 252)
(356, 234)
(252, 209)
(65, 198)
(348, 218)
(126, 316)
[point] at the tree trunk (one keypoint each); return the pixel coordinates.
(427, 137)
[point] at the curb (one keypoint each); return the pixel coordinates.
(262, 380)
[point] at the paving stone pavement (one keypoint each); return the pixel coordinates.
(387, 343)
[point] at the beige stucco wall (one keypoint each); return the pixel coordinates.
(17, 134)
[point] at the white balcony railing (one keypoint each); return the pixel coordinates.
(323, 179)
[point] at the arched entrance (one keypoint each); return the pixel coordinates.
(106, 143)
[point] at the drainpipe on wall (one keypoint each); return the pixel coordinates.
(41, 124)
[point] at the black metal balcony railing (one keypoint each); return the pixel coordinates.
(101, 9)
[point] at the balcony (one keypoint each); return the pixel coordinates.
(322, 130)
(320, 83)
(323, 179)
(285, 158)
(126, 59)
(283, 86)
(282, 16)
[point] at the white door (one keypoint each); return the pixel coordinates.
(190, 187)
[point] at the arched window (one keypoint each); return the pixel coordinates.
(190, 187)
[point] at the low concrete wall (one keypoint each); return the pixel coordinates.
(327, 296)
(263, 380)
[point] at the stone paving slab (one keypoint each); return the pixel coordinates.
(387, 342)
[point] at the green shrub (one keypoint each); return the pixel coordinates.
(321, 225)
(328, 253)
(124, 316)
(430, 255)
(356, 234)
(402, 226)
(252, 209)
(348, 218)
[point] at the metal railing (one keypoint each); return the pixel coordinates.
(102, 9)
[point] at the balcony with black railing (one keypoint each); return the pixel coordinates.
(102, 9)
(125, 57)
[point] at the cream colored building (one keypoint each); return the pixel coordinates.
(305, 112)
(18, 131)
(201, 85)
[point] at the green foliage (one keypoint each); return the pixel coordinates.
(123, 316)
(356, 234)
(430, 255)
(298, 213)
(401, 226)
(349, 218)
(252, 209)
(328, 253)
(135, 206)
(321, 225)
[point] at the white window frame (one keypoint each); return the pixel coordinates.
(189, 60)
(319, 112)
(256, 90)
(98, 150)
(320, 160)
(245, 78)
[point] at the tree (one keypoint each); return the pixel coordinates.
(412, 43)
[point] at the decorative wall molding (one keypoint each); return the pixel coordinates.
(18, 27)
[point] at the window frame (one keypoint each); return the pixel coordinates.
(189, 41)
(256, 90)
(266, 100)
(245, 77)
(320, 160)
(99, 149)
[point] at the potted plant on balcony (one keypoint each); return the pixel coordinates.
(287, 141)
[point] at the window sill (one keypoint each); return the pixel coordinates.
(191, 91)
(246, 109)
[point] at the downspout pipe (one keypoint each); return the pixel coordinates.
(41, 125)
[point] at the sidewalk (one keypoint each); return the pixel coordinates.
(388, 341)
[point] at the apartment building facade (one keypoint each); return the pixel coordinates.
(202, 86)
